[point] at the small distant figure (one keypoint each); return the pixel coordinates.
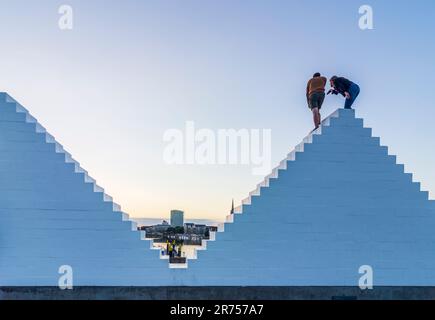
(346, 88)
(170, 250)
(316, 96)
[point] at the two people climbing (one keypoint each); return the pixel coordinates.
(316, 93)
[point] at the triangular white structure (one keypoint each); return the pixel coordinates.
(53, 214)
(336, 203)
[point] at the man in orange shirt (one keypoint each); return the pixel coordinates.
(316, 96)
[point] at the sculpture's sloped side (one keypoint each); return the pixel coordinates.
(338, 202)
(52, 213)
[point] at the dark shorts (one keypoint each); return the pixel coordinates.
(316, 100)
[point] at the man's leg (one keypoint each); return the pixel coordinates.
(316, 117)
(354, 92)
(320, 103)
(349, 102)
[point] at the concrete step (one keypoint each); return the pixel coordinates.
(24, 215)
(353, 157)
(345, 148)
(14, 126)
(9, 147)
(70, 205)
(332, 133)
(352, 122)
(12, 117)
(344, 139)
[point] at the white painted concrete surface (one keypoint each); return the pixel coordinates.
(338, 201)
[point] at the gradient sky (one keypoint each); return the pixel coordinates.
(129, 70)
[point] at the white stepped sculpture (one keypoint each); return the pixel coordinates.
(52, 213)
(337, 202)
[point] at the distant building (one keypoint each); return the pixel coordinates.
(200, 228)
(177, 218)
(189, 227)
(160, 227)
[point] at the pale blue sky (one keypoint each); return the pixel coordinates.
(129, 70)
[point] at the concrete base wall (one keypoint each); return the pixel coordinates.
(217, 293)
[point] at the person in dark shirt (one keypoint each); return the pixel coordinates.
(346, 88)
